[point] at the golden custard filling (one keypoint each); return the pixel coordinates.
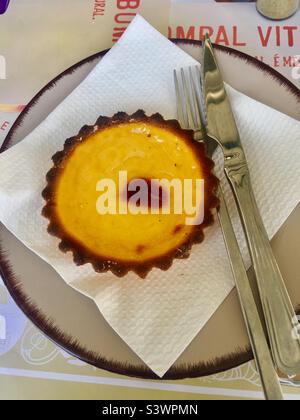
(122, 152)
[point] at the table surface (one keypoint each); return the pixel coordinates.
(31, 366)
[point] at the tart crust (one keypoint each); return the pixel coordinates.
(83, 254)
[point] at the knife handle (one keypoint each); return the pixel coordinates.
(281, 320)
(262, 355)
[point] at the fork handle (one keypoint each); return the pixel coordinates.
(262, 355)
(282, 323)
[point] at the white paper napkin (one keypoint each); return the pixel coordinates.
(159, 316)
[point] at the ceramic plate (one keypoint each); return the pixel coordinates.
(63, 314)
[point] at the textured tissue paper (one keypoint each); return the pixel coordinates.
(159, 316)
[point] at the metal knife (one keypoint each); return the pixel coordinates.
(281, 320)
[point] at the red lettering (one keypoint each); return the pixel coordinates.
(276, 60)
(288, 62)
(99, 8)
(278, 36)
(222, 37)
(119, 17)
(264, 39)
(117, 33)
(128, 4)
(189, 34)
(4, 125)
(291, 38)
(205, 30)
(236, 43)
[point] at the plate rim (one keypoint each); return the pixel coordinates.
(68, 343)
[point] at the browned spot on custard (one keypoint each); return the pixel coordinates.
(177, 229)
(140, 249)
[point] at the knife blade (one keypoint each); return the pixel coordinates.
(220, 121)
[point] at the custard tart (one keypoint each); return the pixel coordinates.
(109, 194)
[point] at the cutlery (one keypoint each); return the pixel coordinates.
(188, 92)
(281, 321)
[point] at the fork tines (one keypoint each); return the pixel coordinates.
(189, 93)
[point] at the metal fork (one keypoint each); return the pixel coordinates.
(190, 115)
